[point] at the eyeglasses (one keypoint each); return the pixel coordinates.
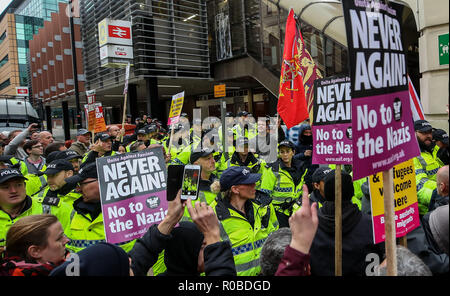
(84, 183)
(37, 146)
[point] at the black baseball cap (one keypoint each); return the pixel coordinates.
(320, 174)
(440, 135)
(103, 137)
(286, 143)
(141, 131)
(237, 175)
(68, 155)
(88, 171)
(151, 128)
(196, 155)
(52, 156)
(57, 166)
(422, 126)
(8, 174)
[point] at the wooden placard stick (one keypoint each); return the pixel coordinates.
(171, 138)
(338, 221)
(124, 114)
(389, 223)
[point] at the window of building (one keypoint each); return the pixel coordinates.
(2, 37)
(5, 84)
(4, 61)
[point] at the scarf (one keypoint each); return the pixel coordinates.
(16, 266)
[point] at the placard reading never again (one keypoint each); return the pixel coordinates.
(132, 193)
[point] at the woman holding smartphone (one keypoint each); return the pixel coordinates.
(246, 219)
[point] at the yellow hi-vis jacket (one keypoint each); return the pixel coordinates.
(246, 239)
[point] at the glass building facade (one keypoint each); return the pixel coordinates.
(26, 27)
(39, 8)
(170, 39)
(257, 27)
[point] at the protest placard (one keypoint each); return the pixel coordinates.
(383, 132)
(175, 108)
(90, 116)
(100, 124)
(405, 201)
(132, 193)
(331, 128)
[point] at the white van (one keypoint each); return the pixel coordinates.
(16, 113)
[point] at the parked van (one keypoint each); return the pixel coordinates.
(16, 113)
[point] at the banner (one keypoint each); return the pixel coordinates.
(405, 200)
(292, 105)
(175, 108)
(132, 193)
(382, 125)
(332, 128)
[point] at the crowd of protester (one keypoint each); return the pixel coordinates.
(255, 215)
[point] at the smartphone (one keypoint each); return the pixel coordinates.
(174, 180)
(191, 178)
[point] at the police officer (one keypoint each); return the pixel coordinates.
(141, 136)
(57, 171)
(86, 218)
(72, 157)
(205, 160)
(179, 142)
(283, 180)
(242, 157)
(246, 219)
(16, 204)
(34, 182)
(440, 138)
(184, 156)
(426, 164)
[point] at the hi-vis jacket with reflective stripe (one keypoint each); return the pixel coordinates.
(85, 232)
(68, 198)
(426, 166)
(246, 241)
(35, 183)
(35, 206)
(255, 164)
(279, 184)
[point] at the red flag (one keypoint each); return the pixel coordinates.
(292, 105)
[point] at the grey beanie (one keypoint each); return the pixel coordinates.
(439, 227)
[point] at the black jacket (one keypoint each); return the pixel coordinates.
(178, 258)
(357, 241)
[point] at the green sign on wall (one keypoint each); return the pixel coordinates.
(443, 49)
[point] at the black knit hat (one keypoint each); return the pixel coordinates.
(347, 186)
